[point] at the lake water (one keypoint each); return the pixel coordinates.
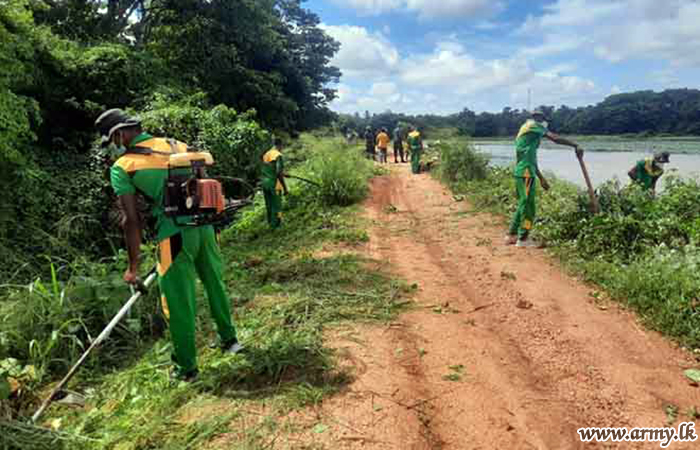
(602, 166)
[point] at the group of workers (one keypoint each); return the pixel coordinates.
(185, 252)
(377, 146)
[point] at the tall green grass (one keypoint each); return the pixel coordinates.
(460, 162)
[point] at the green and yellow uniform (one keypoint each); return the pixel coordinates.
(184, 251)
(526, 145)
(647, 173)
(273, 166)
(416, 145)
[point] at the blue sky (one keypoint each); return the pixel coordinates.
(440, 56)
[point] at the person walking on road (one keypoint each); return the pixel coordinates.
(415, 144)
(648, 171)
(398, 145)
(526, 144)
(370, 143)
(185, 251)
(383, 140)
(273, 183)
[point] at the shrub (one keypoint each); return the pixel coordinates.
(460, 162)
(236, 141)
(342, 173)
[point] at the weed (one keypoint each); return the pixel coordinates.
(461, 162)
(693, 413)
(508, 275)
(671, 414)
(390, 209)
(342, 174)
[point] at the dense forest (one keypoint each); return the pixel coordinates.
(671, 112)
(216, 73)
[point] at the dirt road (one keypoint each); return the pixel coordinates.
(504, 351)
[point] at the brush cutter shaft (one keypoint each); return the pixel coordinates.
(294, 177)
(102, 336)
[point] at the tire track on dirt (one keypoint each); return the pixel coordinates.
(503, 351)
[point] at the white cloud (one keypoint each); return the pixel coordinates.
(618, 30)
(362, 54)
(383, 89)
(426, 9)
(449, 78)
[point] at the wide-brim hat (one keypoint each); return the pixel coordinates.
(662, 157)
(113, 120)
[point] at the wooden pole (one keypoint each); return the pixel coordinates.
(595, 207)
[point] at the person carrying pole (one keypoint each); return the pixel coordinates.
(398, 145)
(415, 144)
(383, 140)
(369, 143)
(185, 251)
(648, 171)
(273, 183)
(526, 144)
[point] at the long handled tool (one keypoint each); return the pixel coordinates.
(105, 333)
(595, 207)
(294, 177)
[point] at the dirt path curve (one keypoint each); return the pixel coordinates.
(504, 351)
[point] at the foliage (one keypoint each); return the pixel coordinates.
(342, 172)
(461, 162)
(643, 113)
(236, 141)
(49, 324)
(642, 250)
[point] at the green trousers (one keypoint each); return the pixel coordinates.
(524, 216)
(273, 206)
(191, 253)
(415, 160)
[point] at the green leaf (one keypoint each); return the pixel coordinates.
(693, 374)
(320, 428)
(5, 389)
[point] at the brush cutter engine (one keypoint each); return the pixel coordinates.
(193, 198)
(189, 193)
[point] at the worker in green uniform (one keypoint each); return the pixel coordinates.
(184, 251)
(526, 144)
(648, 171)
(415, 143)
(273, 183)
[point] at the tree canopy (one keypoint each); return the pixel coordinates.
(674, 112)
(256, 63)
